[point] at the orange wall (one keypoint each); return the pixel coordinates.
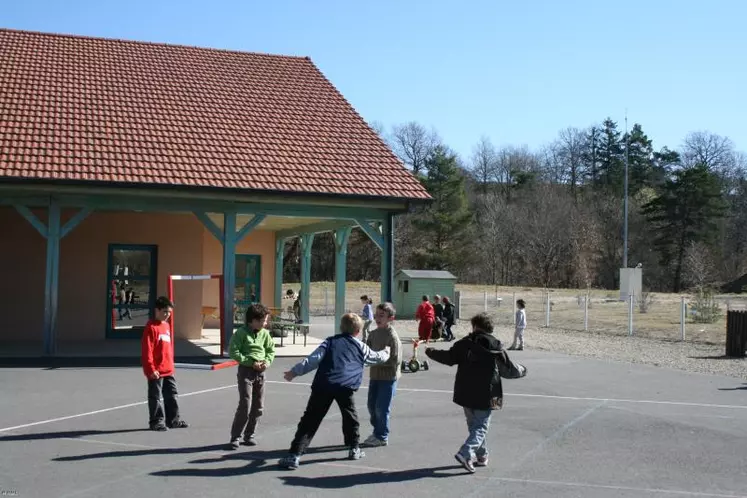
(22, 261)
(257, 242)
(83, 261)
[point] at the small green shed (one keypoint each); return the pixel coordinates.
(411, 285)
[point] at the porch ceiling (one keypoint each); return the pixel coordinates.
(270, 223)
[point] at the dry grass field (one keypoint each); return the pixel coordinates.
(606, 313)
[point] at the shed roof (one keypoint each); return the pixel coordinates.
(427, 274)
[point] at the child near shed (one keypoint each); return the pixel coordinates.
(427, 317)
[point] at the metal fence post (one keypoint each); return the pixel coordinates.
(326, 301)
(586, 312)
(485, 299)
(630, 315)
(514, 301)
(547, 310)
(458, 299)
(683, 314)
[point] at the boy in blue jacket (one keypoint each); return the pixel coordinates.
(339, 362)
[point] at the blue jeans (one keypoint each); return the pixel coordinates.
(478, 423)
(380, 395)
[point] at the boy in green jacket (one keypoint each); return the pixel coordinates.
(253, 348)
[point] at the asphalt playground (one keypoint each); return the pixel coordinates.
(572, 428)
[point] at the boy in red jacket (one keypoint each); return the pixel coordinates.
(158, 367)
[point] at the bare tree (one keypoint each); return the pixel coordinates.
(571, 146)
(714, 151)
(484, 163)
(546, 234)
(499, 233)
(413, 144)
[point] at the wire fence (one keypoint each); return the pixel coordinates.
(653, 315)
(660, 316)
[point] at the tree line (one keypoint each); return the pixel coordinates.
(553, 217)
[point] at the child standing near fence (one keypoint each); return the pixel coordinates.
(367, 314)
(521, 324)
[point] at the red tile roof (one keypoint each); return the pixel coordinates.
(99, 110)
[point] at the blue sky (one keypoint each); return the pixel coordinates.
(516, 71)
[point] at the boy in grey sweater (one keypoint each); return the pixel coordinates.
(383, 382)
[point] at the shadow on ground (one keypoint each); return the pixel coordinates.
(64, 435)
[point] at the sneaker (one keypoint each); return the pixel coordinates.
(249, 441)
(290, 462)
(234, 444)
(466, 462)
(374, 442)
(481, 462)
(159, 427)
(179, 424)
(355, 454)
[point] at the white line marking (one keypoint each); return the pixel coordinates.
(555, 435)
(342, 465)
(399, 389)
(99, 441)
(104, 410)
(549, 396)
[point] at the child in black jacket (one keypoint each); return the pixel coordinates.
(477, 387)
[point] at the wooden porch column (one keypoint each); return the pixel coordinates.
(387, 258)
(229, 274)
(307, 240)
(54, 233)
(279, 250)
(341, 237)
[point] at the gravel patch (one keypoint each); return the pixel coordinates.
(688, 356)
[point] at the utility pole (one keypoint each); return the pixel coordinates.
(625, 202)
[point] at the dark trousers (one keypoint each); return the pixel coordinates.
(317, 408)
(162, 394)
(251, 402)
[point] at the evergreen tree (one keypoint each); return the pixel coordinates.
(610, 157)
(441, 226)
(686, 211)
(640, 159)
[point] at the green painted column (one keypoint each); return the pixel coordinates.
(341, 237)
(51, 283)
(387, 258)
(279, 249)
(229, 274)
(307, 241)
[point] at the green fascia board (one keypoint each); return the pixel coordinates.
(165, 204)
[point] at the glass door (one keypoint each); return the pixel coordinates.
(131, 289)
(248, 284)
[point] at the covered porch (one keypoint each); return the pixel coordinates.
(216, 224)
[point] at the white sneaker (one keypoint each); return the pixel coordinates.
(374, 442)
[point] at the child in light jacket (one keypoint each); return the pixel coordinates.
(521, 324)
